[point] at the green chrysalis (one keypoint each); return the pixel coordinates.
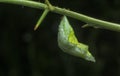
(68, 42)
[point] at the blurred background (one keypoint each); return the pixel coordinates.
(25, 52)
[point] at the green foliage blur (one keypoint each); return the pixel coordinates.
(25, 52)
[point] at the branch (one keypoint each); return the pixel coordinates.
(93, 21)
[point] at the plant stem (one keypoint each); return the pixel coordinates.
(78, 16)
(41, 18)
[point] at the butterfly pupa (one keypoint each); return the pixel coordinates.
(68, 42)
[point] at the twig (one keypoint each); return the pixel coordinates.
(62, 11)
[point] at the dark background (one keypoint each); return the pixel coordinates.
(25, 52)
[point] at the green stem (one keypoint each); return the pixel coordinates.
(84, 18)
(41, 18)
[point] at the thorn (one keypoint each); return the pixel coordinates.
(41, 19)
(86, 25)
(35, 28)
